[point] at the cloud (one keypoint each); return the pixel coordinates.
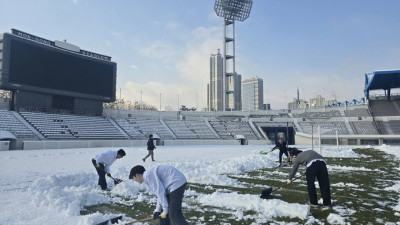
(75, 2)
(150, 93)
(134, 67)
(190, 58)
(172, 25)
(159, 50)
(195, 64)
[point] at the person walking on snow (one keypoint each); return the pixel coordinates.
(150, 148)
(169, 184)
(282, 150)
(102, 163)
(316, 168)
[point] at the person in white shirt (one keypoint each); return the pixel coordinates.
(102, 163)
(169, 184)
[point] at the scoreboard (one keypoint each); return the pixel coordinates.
(31, 63)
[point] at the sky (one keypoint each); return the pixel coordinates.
(162, 48)
(52, 186)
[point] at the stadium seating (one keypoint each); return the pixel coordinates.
(9, 122)
(190, 129)
(384, 108)
(358, 112)
(63, 126)
(318, 115)
(325, 127)
(228, 129)
(150, 126)
(363, 127)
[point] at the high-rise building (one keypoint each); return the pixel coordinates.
(252, 94)
(215, 88)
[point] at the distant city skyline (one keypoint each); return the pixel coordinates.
(162, 48)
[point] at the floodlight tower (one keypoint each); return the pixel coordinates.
(231, 10)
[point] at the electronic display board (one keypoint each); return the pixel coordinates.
(35, 64)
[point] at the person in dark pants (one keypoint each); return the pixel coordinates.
(169, 184)
(150, 148)
(316, 168)
(102, 163)
(282, 150)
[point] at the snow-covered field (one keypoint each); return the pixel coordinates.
(53, 186)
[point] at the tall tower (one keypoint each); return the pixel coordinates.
(215, 89)
(252, 94)
(231, 10)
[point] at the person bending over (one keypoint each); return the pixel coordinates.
(169, 184)
(316, 168)
(102, 163)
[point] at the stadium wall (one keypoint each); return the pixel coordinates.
(201, 142)
(307, 139)
(4, 145)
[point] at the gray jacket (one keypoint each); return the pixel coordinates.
(304, 158)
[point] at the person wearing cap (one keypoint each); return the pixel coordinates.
(316, 168)
(102, 163)
(150, 148)
(169, 184)
(282, 150)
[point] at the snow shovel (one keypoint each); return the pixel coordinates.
(268, 191)
(113, 220)
(142, 220)
(116, 180)
(266, 153)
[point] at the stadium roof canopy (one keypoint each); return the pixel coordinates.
(382, 80)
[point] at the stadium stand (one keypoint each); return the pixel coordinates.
(318, 115)
(129, 129)
(190, 129)
(325, 127)
(385, 108)
(60, 126)
(151, 126)
(395, 126)
(358, 112)
(363, 127)
(390, 127)
(228, 129)
(8, 122)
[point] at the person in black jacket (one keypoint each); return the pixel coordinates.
(282, 150)
(150, 148)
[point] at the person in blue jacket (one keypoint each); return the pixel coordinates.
(169, 184)
(102, 163)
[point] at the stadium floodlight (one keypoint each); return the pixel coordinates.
(233, 9)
